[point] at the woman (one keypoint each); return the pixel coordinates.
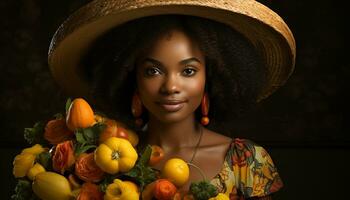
(170, 68)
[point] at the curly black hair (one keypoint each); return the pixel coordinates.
(235, 71)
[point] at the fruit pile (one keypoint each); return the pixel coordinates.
(87, 156)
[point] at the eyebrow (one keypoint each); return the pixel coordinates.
(183, 62)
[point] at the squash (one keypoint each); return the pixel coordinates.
(122, 190)
(115, 154)
(79, 115)
(35, 170)
(51, 186)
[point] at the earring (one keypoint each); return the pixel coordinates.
(205, 109)
(136, 109)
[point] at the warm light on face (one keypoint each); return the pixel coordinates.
(171, 77)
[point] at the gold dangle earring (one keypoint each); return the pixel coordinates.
(205, 109)
(136, 109)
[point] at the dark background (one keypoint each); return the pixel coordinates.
(303, 125)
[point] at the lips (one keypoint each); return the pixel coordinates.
(171, 105)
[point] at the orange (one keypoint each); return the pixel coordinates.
(177, 171)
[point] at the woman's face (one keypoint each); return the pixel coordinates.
(171, 77)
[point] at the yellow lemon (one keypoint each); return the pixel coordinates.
(176, 170)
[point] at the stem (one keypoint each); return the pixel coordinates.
(115, 155)
(199, 169)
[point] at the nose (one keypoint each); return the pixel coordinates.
(170, 85)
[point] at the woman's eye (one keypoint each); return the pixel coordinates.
(152, 71)
(189, 72)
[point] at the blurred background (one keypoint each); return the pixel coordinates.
(303, 125)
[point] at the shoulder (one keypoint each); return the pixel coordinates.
(213, 138)
(255, 173)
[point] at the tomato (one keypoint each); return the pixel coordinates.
(164, 190)
(112, 130)
(132, 136)
(122, 133)
(156, 155)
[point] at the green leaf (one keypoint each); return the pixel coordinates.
(89, 135)
(97, 129)
(146, 155)
(23, 191)
(80, 137)
(68, 103)
(87, 138)
(132, 173)
(141, 172)
(106, 181)
(44, 159)
(203, 190)
(83, 148)
(35, 135)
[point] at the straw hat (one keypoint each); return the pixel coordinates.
(263, 27)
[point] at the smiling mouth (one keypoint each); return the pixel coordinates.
(171, 106)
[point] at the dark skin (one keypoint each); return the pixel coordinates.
(173, 68)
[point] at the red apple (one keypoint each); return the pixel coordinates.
(122, 133)
(111, 130)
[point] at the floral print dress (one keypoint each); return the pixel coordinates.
(248, 171)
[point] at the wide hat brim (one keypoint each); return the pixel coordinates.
(259, 24)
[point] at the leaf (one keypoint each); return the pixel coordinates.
(141, 171)
(44, 159)
(35, 135)
(203, 190)
(68, 103)
(132, 173)
(106, 181)
(80, 137)
(23, 191)
(146, 155)
(89, 135)
(98, 128)
(83, 148)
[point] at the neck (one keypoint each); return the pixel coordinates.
(173, 136)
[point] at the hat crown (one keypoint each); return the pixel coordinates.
(260, 25)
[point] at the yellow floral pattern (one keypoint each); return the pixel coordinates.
(248, 171)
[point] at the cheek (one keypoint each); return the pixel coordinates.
(196, 90)
(147, 89)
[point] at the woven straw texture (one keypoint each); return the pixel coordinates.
(263, 27)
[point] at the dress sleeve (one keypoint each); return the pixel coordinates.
(254, 170)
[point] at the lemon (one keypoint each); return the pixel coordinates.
(177, 171)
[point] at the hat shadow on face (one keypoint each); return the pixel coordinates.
(260, 25)
(235, 73)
